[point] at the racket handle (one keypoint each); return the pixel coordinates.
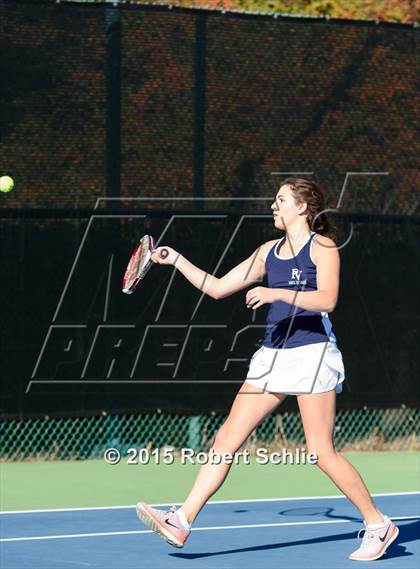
(164, 253)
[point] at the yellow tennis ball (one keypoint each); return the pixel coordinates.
(6, 184)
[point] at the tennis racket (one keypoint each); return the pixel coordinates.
(139, 263)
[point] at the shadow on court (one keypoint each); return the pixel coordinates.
(408, 532)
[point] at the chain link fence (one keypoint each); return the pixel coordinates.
(88, 437)
(138, 101)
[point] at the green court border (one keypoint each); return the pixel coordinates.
(93, 483)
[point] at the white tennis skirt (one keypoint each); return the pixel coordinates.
(313, 368)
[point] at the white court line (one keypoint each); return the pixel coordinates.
(209, 528)
(211, 502)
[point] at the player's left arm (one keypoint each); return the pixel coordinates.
(324, 299)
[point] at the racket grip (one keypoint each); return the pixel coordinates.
(163, 253)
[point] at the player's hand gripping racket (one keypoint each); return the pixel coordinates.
(140, 262)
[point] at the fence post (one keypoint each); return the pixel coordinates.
(194, 433)
(199, 106)
(113, 102)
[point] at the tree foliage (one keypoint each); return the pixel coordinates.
(403, 11)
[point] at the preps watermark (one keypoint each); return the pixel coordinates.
(144, 456)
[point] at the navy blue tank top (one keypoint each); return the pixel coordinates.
(289, 326)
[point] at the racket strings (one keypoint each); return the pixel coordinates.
(139, 263)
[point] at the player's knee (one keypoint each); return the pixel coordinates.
(324, 453)
(226, 439)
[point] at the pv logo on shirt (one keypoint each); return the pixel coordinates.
(295, 279)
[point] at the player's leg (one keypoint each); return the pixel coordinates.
(250, 407)
(318, 418)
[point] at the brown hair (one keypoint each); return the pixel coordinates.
(308, 191)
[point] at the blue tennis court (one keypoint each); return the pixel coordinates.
(255, 533)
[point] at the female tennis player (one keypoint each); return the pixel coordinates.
(299, 356)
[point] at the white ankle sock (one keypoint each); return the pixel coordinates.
(378, 525)
(183, 519)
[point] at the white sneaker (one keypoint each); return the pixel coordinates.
(375, 541)
(166, 524)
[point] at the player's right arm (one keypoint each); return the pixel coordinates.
(249, 271)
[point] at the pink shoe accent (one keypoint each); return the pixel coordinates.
(166, 524)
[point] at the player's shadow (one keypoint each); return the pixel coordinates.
(408, 532)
